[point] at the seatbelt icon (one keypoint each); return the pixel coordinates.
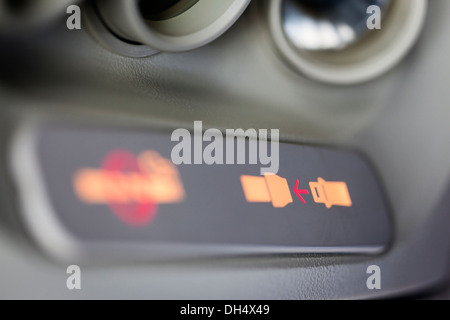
(270, 188)
(331, 193)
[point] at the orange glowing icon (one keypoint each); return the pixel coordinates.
(131, 186)
(331, 193)
(270, 188)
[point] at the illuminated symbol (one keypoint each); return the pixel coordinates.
(299, 192)
(270, 188)
(132, 187)
(331, 193)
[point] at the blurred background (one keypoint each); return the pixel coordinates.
(370, 75)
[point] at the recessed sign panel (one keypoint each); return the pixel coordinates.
(114, 188)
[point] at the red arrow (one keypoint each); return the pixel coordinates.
(299, 192)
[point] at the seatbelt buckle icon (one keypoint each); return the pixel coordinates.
(270, 188)
(331, 193)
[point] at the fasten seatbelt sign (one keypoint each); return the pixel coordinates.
(115, 193)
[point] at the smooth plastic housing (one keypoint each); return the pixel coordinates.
(372, 56)
(195, 27)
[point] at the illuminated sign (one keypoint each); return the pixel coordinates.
(272, 188)
(132, 187)
(115, 193)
